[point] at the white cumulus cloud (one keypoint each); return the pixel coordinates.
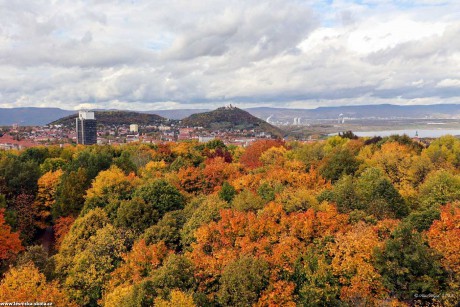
(142, 54)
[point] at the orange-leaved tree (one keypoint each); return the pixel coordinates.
(352, 256)
(139, 263)
(271, 235)
(10, 244)
(251, 156)
(444, 236)
(61, 228)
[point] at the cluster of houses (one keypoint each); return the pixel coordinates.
(18, 137)
(87, 132)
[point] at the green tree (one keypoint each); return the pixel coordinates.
(26, 213)
(316, 283)
(268, 191)
(444, 152)
(339, 162)
(247, 201)
(78, 237)
(70, 193)
(408, 265)
(176, 273)
(379, 196)
(125, 162)
(421, 220)
(309, 154)
(207, 210)
(93, 159)
(52, 165)
(346, 195)
(348, 135)
(242, 282)
(18, 176)
(167, 230)
(39, 257)
(227, 192)
(91, 267)
(163, 196)
(36, 154)
(137, 214)
(439, 188)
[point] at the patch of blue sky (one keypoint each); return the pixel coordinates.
(60, 33)
(162, 42)
(326, 12)
(414, 4)
(402, 4)
(368, 4)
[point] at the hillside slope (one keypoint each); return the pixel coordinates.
(30, 116)
(117, 118)
(230, 118)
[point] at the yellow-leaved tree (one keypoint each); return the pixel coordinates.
(178, 298)
(27, 284)
(46, 197)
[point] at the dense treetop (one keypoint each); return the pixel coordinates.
(341, 222)
(230, 118)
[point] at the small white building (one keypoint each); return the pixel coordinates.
(164, 128)
(205, 139)
(134, 128)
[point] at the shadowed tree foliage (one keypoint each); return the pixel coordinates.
(378, 195)
(167, 230)
(341, 161)
(161, 195)
(137, 214)
(243, 281)
(18, 176)
(70, 193)
(408, 265)
(176, 273)
(37, 255)
(227, 192)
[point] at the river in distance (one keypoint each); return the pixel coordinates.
(422, 133)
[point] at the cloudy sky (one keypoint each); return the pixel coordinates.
(163, 54)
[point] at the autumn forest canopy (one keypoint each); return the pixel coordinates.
(340, 222)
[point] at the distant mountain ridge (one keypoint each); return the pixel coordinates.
(230, 118)
(42, 116)
(116, 118)
(362, 111)
(31, 116)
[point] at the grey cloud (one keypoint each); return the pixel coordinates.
(416, 50)
(156, 52)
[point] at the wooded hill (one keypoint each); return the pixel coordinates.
(116, 118)
(230, 118)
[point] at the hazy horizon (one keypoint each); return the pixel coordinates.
(186, 107)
